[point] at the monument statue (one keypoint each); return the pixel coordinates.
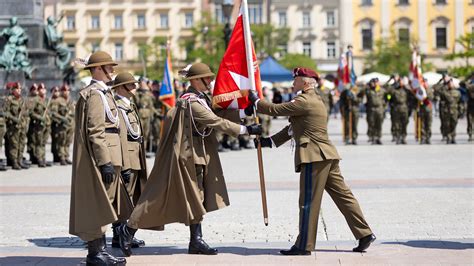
(55, 43)
(15, 53)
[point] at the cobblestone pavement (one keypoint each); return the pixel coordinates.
(418, 199)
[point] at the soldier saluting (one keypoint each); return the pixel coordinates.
(98, 197)
(317, 161)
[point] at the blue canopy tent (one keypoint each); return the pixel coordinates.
(271, 71)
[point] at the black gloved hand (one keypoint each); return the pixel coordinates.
(126, 174)
(107, 171)
(249, 110)
(253, 97)
(255, 129)
(265, 142)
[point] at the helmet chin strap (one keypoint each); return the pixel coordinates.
(106, 73)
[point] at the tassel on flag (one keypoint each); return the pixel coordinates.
(233, 81)
(166, 90)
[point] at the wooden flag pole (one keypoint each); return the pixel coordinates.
(251, 71)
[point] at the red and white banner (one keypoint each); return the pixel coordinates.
(233, 81)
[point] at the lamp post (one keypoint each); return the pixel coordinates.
(227, 7)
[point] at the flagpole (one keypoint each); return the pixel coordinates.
(250, 70)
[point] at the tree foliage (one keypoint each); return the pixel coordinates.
(267, 39)
(467, 43)
(153, 56)
(291, 61)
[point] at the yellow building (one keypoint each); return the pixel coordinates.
(120, 27)
(433, 24)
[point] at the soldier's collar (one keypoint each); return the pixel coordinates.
(102, 85)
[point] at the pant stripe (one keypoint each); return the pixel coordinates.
(307, 205)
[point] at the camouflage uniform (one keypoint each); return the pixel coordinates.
(438, 90)
(62, 116)
(16, 117)
(375, 109)
(350, 100)
(326, 95)
(470, 109)
(38, 130)
(450, 100)
(399, 111)
(160, 110)
(426, 115)
(143, 99)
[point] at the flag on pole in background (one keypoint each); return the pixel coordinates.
(414, 73)
(167, 95)
(342, 79)
(233, 80)
(350, 73)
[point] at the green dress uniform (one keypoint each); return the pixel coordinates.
(317, 161)
(350, 101)
(399, 112)
(449, 101)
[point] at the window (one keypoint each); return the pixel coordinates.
(441, 37)
(72, 48)
(307, 48)
(403, 2)
(282, 19)
(70, 22)
(440, 2)
(188, 20)
(367, 39)
(330, 19)
(95, 22)
(219, 14)
(141, 21)
(164, 21)
(331, 49)
(118, 22)
(306, 19)
(366, 2)
(255, 13)
(118, 51)
(404, 35)
(95, 47)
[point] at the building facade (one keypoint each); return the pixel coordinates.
(121, 27)
(433, 24)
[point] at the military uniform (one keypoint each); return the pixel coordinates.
(426, 115)
(2, 131)
(62, 116)
(350, 100)
(470, 109)
(159, 111)
(437, 91)
(38, 130)
(146, 110)
(449, 101)
(326, 95)
(375, 112)
(399, 112)
(317, 161)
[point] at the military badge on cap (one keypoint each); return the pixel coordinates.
(305, 72)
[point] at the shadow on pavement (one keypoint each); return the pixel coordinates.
(173, 250)
(58, 242)
(35, 260)
(436, 244)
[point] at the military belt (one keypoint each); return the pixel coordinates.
(112, 130)
(139, 139)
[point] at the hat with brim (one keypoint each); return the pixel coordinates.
(99, 58)
(124, 78)
(199, 70)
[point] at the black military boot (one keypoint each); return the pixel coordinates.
(364, 243)
(41, 163)
(196, 244)
(125, 235)
(136, 243)
(295, 251)
(98, 256)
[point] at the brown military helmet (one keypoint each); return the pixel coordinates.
(124, 78)
(99, 58)
(199, 70)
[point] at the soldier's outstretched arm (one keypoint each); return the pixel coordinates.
(206, 117)
(96, 129)
(298, 106)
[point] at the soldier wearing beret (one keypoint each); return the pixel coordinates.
(317, 161)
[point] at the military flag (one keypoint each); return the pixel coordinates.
(167, 95)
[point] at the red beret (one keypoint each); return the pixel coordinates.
(55, 88)
(64, 87)
(12, 85)
(305, 72)
(34, 87)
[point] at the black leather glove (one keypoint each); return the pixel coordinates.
(253, 97)
(107, 171)
(255, 129)
(126, 174)
(265, 142)
(249, 110)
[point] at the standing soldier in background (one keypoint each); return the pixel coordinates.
(62, 114)
(375, 110)
(326, 95)
(38, 131)
(55, 122)
(32, 94)
(16, 118)
(133, 172)
(160, 110)
(470, 104)
(265, 120)
(350, 100)
(449, 102)
(145, 104)
(3, 128)
(70, 109)
(425, 97)
(98, 196)
(399, 109)
(438, 90)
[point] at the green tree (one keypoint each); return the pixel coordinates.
(467, 43)
(267, 39)
(152, 56)
(291, 61)
(391, 56)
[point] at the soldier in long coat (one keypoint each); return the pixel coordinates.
(192, 183)
(98, 195)
(134, 173)
(317, 161)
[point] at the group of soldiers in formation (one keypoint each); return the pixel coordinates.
(404, 100)
(30, 121)
(110, 184)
